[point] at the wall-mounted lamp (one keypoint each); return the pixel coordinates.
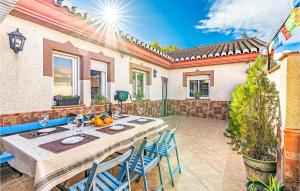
(16, 41)
(154, 73)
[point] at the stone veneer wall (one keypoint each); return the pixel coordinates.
(199, 108)
(194, 108)
(151, 108)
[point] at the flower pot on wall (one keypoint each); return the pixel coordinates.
(67, 101)
(259, 169)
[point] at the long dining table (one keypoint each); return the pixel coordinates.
(50, 162)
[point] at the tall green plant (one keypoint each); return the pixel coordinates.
(253, 114)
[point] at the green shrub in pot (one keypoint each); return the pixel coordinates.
(253, 121)
(98, 98)
(273, 185)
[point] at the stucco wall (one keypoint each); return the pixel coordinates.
(226, 77)
(25, 89)
(23, 86)
(278, 77)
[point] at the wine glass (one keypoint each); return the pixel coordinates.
(43, 120)
(72, 123)
(117, 113)
(79, 123)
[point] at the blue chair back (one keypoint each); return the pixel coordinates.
(153, 144)
(171, 134)
(102, 167)
(7, 130)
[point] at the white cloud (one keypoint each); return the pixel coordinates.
(260, 18)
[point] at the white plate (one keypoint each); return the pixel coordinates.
(72, 140)
(117, 127)
(142, 120)
(47, 130)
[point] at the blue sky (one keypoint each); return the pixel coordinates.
(192, 23)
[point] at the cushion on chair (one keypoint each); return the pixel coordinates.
(5, 157)
(33, 125)
(6, 130)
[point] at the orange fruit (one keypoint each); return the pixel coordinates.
(93, 120)
(97, 117)
(111, 120)
(107, 121)
(99, 122)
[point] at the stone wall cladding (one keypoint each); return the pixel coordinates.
(193, 108)
(151, 109)
(199, 108)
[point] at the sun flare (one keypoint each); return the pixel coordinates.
(111, 16)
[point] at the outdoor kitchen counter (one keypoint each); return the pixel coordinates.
(50, 168)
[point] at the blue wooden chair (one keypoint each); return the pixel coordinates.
(166, 148)
(141, 164)
(5, 157)
(100, 179)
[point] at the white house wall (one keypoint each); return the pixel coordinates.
(226, 77)
(24, 88)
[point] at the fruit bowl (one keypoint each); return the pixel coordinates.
(102, 120)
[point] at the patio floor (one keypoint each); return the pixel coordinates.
(207, 162)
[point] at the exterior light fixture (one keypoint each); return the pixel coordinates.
(16, 41)
(154, 73)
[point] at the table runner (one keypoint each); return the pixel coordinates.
(31, 135)
(57, 146)
(50, 169)
(111, 132)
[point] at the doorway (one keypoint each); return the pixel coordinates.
(164, 96)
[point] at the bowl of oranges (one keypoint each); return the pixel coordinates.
(102, 120)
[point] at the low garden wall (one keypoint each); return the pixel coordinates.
(194, 108)
(151, 108)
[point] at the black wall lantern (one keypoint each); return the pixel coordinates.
(154, 73)
(16, 41)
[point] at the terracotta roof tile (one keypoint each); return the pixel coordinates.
(242, 46)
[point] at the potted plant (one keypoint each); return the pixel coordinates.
(62, 100)
(98, 99)
(139, 96)
(257, 185)
(253, 121)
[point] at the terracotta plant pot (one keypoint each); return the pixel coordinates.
(259, 169)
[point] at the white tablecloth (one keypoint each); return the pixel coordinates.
(50, 169)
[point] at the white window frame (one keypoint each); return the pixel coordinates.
(75, 71)
(198, 78)
(103, 81)
(144, 83)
